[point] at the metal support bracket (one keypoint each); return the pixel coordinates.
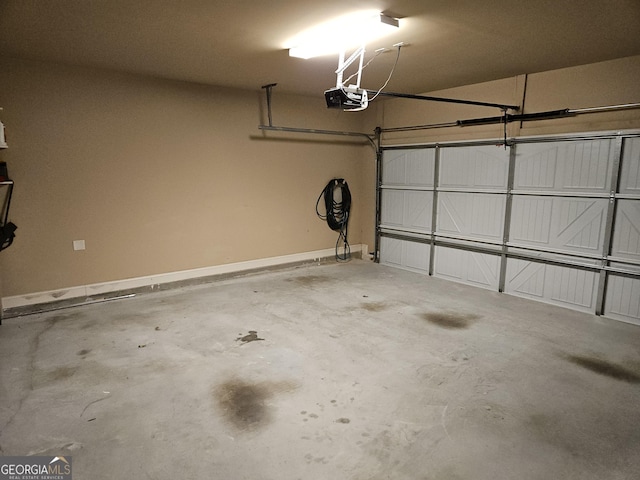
(268, 88)
(271, 127)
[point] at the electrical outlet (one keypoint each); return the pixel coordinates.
(78, 245)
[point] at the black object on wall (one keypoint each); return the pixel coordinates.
(7, 229)
(337, 203)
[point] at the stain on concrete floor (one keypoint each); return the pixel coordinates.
(243, 404)
(252, 336)
(450, 320)
(606, 368)
(309, 280)
(58, 374)
(374, 306)
(247, 405)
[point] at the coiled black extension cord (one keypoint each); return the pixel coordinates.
(337, 203)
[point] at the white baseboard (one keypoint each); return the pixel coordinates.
(97, 289)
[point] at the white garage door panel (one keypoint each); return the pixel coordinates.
(475, 215)
(408, 167)
(630, 168)
(391, 251)
(571, 240)
(478, 269)
(480, 166)
(626, 233)
(417, 256)
(407, 209)
(623, 299)
(564, 166)
(564, 223)
(405, 254)
(569, 287)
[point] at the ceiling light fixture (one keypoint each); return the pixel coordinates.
(342, 34)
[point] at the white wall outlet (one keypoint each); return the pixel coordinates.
(78, 245)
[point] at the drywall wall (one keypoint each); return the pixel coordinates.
(159, 176)
(600, 84)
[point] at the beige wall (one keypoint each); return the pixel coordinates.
(159, 176)
(607, 83)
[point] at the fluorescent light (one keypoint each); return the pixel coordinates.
(341, 34)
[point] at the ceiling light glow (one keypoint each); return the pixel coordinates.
(341, 34)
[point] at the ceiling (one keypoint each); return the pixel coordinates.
(240, 43)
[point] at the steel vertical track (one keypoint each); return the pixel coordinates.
(434, 209)
(378, 132)
(609, 225)
(507, 217)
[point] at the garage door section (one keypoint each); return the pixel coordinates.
(471, 203)
(550, 219)
(559, 213)
(406, 207)
(442, 211)
(623, 291)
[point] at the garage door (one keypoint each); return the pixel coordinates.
(551, 219)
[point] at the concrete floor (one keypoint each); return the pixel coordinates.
(340, 371)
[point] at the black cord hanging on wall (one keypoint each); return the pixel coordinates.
(7, 229)
(337, 203)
